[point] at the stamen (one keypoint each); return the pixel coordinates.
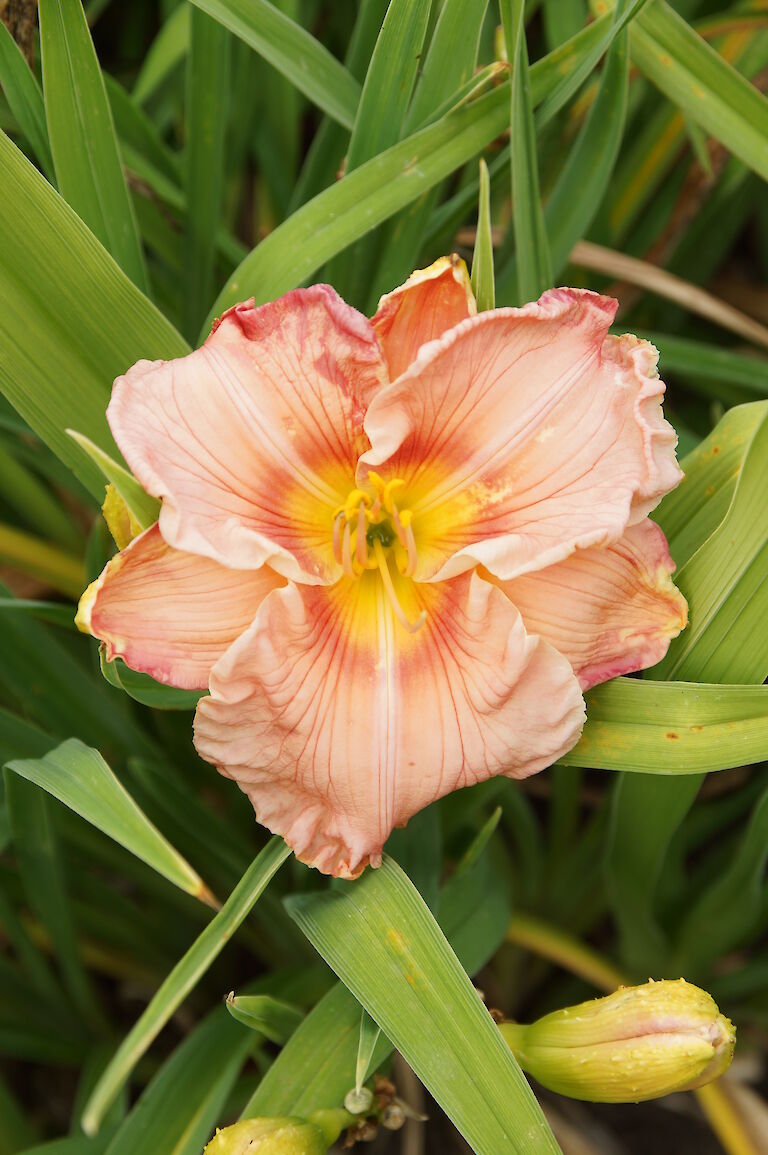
(337, 536)
(346, 553)
(407, 540)
(410, 544)
(391, 592)
(354, 499)
(392, 487)
(399, 528)
(361, 549)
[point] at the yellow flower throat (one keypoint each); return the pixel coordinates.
(369, 528)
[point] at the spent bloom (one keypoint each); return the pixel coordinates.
(638, 1043)
(395, 551)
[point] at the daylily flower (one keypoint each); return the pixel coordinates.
(395, 551)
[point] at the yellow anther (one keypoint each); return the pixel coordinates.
(368, 523)
(391, 488)
(351, 506)
(379, 484)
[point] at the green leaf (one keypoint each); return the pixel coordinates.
(636, 853)
(479, 843)
(75, 1145)
(138, 135)
(70, 320)
(578, 193)
(366, 1048)
(563, 19)
(483, 285)
(671, 728)
(362, 200)
(144, 508)
(291, 50)
(691, 512)
(144, 689)
(533, 262)
(178, 1110)
(37, 850)
(379, 937)
(475, 912)
(31, 497)
(182, 979)
(729, 910)
(726, 584)
(389, 81)
(379, 123)
(271, 1017)
(316, 1067)
(417, 849)
(475, 908)
(438, 91)
(25, 98)
(67, 700)
(54, 567)
(207, 105)
(700, 82)
(724, 581)
(545, 75)
(85, 152)
(17, 1132)
(572, 78)
(455, 39)
(80, 778)
(166, 52)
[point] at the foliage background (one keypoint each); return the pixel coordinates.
(197, 153)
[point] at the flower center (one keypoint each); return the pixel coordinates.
(368, 530)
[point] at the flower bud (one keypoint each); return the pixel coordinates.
(286, 1135)
(282, 1136)
(638, 1043)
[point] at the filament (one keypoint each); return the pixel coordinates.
(361, 549)
(391, 592)
(346, 553)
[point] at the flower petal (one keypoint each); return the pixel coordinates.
(524, 434)
(340, 725)
(252, 440)
(430, 302)
(171, 614)
(610, 611)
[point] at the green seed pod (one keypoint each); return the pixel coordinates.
(638, 1043)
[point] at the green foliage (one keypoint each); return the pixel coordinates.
(86, 156)
(160, 162)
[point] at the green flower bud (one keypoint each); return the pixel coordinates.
(283, 1136)
(286, 1135)
(638, 1043)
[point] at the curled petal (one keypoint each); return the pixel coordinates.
(524, 434)
(339, 724)
(430, 302)
(610, 610)
(251, 441)
(171, 614)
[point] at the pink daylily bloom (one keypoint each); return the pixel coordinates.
(395, 551)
